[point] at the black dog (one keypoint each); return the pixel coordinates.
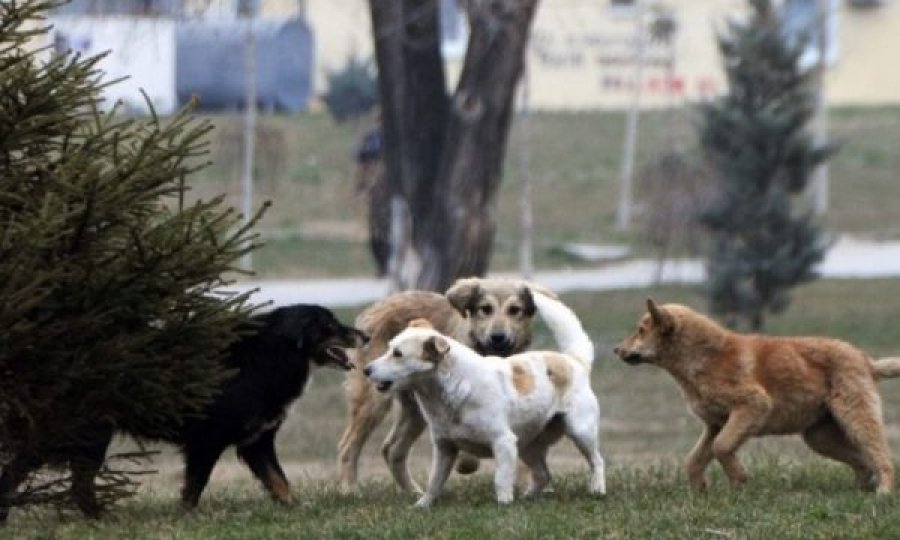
(273, 362)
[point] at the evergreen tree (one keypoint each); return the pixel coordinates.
(109, 314)
(758, 145)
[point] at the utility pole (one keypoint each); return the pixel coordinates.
(248, 10)
(526, 218)
(821, 175)
(624, 211)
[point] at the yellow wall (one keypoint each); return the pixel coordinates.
(578, 57)
(582, 55)
(867, 69)
(579, 53)
(340, 29)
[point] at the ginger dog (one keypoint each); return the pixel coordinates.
(744, 386)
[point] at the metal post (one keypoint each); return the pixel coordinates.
(249, 127)
(526, 219)
(624, 211)
(820, 184)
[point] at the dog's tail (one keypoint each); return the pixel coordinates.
(566, 328)
(886, 368)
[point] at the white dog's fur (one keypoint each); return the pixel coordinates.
(508, 408)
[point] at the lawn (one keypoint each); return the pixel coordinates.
(646, 431)
(317, 225)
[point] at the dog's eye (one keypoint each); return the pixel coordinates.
(486, 310)
(514, 311)
(641, 330)
(397, 353)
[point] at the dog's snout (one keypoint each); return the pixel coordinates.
(367, 371)
(498, 339)
(617, 351)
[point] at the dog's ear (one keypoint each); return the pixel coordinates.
(300, 342)
(540, 289)
(660, 317)
(527, 299)
(435, 348)
(420, 323)
(463, 294)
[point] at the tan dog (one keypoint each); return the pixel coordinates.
(744, 386)
(491, 315)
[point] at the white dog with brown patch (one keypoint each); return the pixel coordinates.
(508, 408)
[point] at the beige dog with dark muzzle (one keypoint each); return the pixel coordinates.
(492, 315)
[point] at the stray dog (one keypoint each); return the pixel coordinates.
(273, 362)
(508, 408)
(744, 386)
(492, 315)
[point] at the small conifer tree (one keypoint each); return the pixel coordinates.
(756, 140)
(110, 314)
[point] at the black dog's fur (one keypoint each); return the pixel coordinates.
(273, 360)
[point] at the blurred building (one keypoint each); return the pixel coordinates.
(210, 63)
(142, 56)
(583, 52)
(173, 50)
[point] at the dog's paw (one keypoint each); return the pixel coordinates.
(424, 502)
(504, 498)
(598, 487)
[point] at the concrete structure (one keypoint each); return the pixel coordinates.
(582, 51)
(143, 57)
(210, 63)
(582, 54)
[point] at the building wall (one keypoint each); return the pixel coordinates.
(866, 70)
(340, 29)
(144, 56)
(581, 54)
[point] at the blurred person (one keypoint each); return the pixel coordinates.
(371, 182)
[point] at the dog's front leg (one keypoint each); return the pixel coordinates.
(443, 456)
(408, 425)
(506, 456)
(699, 459)
(743, 423)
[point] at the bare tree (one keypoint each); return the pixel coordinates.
(444, 153)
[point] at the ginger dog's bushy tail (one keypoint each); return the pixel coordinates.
(566, 328)
(885, 368)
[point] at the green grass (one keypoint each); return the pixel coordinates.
(645, 433)
(305, 167)
(785, 500)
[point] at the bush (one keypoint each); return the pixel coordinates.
(352, 91)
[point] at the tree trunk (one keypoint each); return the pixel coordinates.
(444, 155)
